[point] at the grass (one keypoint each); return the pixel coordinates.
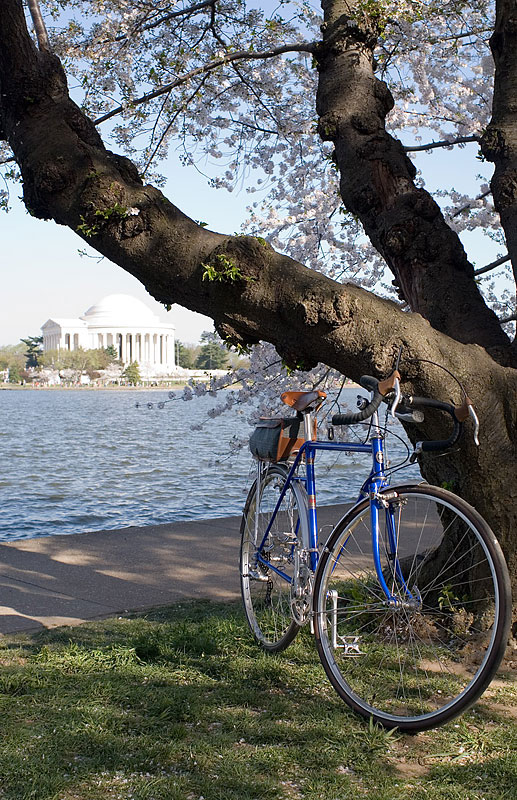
(179, 704)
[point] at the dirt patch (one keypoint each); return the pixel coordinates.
(410, 769)
(504, 710)
(407, 758)
(489, 706)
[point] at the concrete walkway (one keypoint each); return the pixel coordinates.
(66, 580)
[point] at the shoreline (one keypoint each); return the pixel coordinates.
(58, 387)
(6, 387)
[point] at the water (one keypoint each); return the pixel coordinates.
(86, 460)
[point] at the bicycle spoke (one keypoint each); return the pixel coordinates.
(266, 575)
(426, 651)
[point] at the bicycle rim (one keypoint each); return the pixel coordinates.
(266, 573)
(421, 658)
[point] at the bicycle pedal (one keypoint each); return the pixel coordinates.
(254, 575)
(350, 645)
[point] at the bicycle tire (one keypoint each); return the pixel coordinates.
(265, 595)
(419, 663)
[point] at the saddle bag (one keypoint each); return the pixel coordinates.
(276, 438)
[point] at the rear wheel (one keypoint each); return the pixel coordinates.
(268, 562)
(419, 658)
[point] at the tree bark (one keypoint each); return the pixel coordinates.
(70, 177)
(426, 257)
(499, 143)
(377, 184)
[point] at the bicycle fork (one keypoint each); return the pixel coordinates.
(399, 593)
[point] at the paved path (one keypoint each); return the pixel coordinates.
(65, 580)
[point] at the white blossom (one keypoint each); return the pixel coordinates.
(253, 123)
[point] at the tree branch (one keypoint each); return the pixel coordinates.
(256, 128)
(377, 184)
(511, 318)
(445, 143)
(469, 205)
(241, 55)
(179, 111)
(39, 25)
(172, 15)
(491, 266)
(465, 35)
(68, 175)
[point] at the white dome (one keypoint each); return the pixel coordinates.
(120, 310)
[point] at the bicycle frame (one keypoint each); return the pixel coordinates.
(371, 489)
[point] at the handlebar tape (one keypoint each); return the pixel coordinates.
(351, 418)
(372, 384)
(438, 444)
(367, 382)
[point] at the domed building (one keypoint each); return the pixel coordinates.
(125, 323)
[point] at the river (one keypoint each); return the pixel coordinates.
(85, 460)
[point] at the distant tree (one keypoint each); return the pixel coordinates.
(132, 373)
(233, 358)
(212, 356)
(213, 353)
(15, 374)
(210, 337)
(112, 353)
(55, 359)
(236, 361)
(186, 355)
(12, 357)
(78, 359)
(98, 359)
(34, 350)
(74, 363)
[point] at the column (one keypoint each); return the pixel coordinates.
(170, 351)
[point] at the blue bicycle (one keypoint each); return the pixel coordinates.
(409, 599)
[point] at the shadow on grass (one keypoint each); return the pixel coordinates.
(179, 704)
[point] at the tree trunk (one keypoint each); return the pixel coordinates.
(499, 143)
(70, 177)
(426, 257)
(377, 184)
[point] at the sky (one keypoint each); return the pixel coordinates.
(43, 275)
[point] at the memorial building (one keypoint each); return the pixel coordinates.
(125, 323)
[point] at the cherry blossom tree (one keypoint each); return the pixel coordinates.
(317, 111)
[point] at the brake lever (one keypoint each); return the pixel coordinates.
(413, 415)
(397, 397)
(475, 420)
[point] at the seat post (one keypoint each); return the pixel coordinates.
(307, 425)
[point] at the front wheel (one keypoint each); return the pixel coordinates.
(422, 655)
(268, 561)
